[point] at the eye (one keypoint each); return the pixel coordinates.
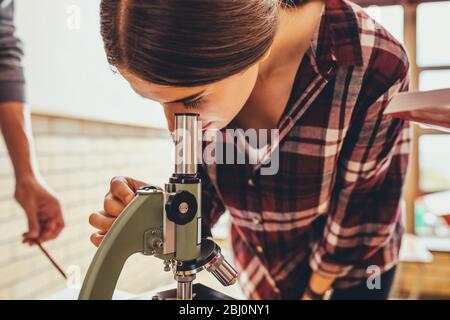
(193, 103)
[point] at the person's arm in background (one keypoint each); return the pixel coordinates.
(40, 203)
(372, 167)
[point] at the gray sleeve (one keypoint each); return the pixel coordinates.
(12, 81)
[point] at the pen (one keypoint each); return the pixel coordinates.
(51, 260)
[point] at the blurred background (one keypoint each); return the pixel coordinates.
(89, 126)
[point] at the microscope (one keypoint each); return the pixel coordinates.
(165, 224)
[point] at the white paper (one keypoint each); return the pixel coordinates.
(426, 107)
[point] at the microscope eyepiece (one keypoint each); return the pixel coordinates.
(187, 144)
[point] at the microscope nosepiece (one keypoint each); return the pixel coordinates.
(222, 270)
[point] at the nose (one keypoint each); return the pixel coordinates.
(170, 117)
(171, 123)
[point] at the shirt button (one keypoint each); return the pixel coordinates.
(251, 183)
(259, 249)
(256, 220)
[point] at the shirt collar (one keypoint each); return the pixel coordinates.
(337, 41)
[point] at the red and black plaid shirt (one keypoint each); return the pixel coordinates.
(333, 206)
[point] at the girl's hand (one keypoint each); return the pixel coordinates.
(121, 192)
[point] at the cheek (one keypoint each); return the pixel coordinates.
(232, 99)
(238, 94)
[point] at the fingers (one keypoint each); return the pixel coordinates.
(51, 221)
(121, 190)
(29, 239)
(112, 206)
(101, 221)
(49, 231)
(96, 238)
(32, 234)
(136, 184)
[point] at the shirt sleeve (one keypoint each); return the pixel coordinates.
(365, 205)
(12, 82)
(212, 205)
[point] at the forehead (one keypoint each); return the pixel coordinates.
(159, 92)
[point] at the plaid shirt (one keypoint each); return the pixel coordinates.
(333, 207)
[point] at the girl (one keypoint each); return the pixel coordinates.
(321, 73)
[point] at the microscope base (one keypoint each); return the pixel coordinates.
(200, 292)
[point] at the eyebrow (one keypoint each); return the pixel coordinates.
(188, 98)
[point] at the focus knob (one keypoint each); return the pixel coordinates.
(181, 207)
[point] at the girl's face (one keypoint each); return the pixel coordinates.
(217, 103)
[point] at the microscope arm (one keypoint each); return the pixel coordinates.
(137, 229)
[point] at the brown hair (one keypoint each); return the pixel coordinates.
(292, 3)
(187, 42)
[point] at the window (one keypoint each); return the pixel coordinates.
(390, 17)
(434, 79)
(434, 159)
(433, 61)
(433, 19)
(433, 66)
